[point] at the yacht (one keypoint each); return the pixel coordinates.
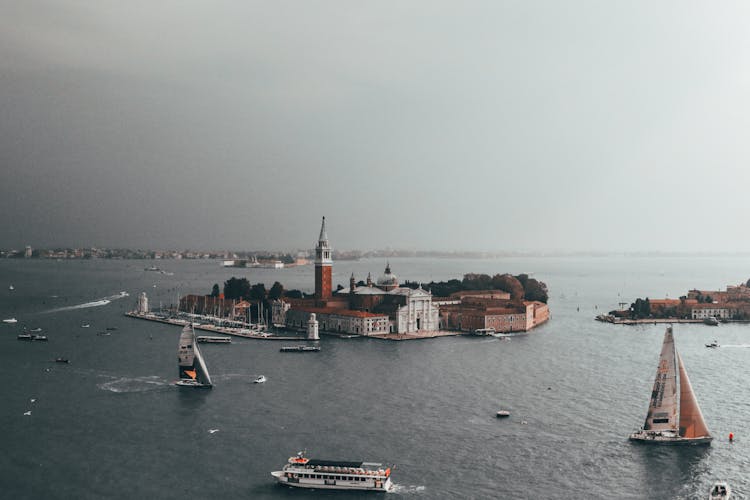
(10, 320)
(303, 472)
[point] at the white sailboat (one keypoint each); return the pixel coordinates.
(674, 416)
(193, 370)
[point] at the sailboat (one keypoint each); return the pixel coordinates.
(674, 416)
(193, 370)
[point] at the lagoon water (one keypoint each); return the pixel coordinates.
(110, 424)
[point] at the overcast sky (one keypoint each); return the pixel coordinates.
(499, 125)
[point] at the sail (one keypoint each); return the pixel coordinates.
(692, 424)
(663, 410)
(190, 360)
(200, 365)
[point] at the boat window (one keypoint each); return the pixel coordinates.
(661, 420)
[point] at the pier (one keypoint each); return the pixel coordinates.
(208, 327)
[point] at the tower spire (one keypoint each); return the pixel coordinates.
(323, 235)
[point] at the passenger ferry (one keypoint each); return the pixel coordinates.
(302, 472)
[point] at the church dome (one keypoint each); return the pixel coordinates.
(388, 279)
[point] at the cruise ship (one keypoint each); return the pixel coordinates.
(302, 472)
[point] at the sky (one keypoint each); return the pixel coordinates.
(423, 124)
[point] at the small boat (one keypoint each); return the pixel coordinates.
(503, 414)
(300, 348)
(41, 338)
(31, 337)
(302, 472)
(111, 328)
(674, 416)
(711, 321)
(720, 491)
(62, 360)
(192, 369)
(103, 334)
(207, 339)
(85, 325)
(10, 320)
(260, 379)
(35, 330)
(11, 288)
(713, 344)
(483, 332)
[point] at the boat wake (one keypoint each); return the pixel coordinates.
(96, 303)
(126, 385)
(734, 345)
(401, 489)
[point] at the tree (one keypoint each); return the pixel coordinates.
(236, 288)
(215, 292)
(276, 291)
(293, 294)
(257, 292)
(535, 290)
(510, 284)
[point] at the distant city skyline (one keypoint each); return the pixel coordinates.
(486, 126)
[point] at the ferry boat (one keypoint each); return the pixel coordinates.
(303, 472)
(300, 348)
(207, 339)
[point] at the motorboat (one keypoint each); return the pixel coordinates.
(30, 337)
(85, 325)
(11, 288)
(720, 491)
(503, 414)
(35, 330)
(62, 360)
(259, 380)
(300, 348)
(10, 320)
(713, 344)
(711, 321)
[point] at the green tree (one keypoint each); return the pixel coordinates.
(215, 292)
(276, 291)
(257, 292)
(236, 288)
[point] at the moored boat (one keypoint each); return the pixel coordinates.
(302, 472)
(711, 321)
(673, 416)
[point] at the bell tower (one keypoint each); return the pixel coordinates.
(323, 264)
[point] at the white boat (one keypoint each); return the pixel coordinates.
(673, 416)
(10, 320)
(11, 288)
(720, 491)
(711, 321)
(503, 414)
(208, 339)
(302, 472)
(260, 379)
(482, 332)
(85, 325)
(192, 368)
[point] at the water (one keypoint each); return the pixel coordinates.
(110, 425)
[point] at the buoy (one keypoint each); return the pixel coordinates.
(731, 437)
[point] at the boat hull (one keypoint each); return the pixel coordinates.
(320, 484)
(192, 385)
(655, 438)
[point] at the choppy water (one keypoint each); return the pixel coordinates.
(110, 425)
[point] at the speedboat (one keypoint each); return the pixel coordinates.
(85, 325)
(35, 330)
(503, 414)
(10, 320)
(713, 344)
(260, 379)
(62, 360)
(720, 491)
(11, 288)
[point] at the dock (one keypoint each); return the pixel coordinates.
(236, 332)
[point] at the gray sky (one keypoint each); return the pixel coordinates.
(515, 125)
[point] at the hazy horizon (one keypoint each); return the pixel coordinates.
(484, 126)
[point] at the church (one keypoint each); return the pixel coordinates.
(377, 308)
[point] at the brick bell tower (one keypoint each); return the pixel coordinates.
(323, 264)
